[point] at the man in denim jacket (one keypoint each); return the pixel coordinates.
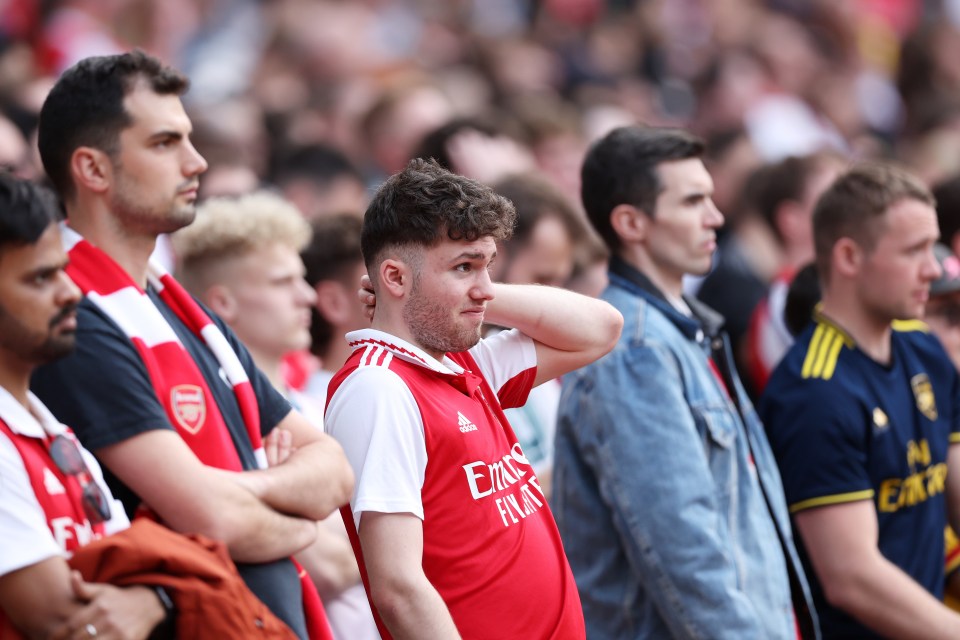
(666, 493)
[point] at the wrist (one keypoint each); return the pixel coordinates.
(166, 628)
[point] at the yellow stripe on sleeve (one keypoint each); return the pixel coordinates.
(839, 498)
(826, 345)
(831, 363)
(954, 437)
(812, 351)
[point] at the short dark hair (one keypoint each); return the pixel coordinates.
(85, 108)
(424, 203)
(621, 168)
(333, 250)
(26, 211)
(784, 181)
(854, 206)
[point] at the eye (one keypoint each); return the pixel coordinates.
(463, 267)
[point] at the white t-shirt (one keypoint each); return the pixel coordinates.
(384, 440)
(26, 536)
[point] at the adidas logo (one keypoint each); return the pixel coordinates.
(465, 424)
(51, 483)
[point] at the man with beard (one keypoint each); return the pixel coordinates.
(448, 518)
(162, 392)
(52, 499)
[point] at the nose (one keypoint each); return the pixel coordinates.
(306, 295)
(714, 219)
(68, 292)
(194, 164)
(483, 289)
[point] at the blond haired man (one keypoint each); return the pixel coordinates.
(241, 258)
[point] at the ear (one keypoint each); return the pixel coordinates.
(333, 301)
(396, 278)
(222, 302)
(631, 224)
(847, 257)
(92, 169)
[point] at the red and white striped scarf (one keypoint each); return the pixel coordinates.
(178, 381)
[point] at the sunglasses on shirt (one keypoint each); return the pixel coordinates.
(66, 455)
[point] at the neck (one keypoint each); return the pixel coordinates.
(100, 228)
(871, 334)
(669, 284)
(382, 321)
(270, 365)
(15, 377)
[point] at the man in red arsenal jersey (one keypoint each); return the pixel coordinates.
(52, 496)
(448, 519)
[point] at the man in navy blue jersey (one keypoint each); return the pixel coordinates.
(863, 412)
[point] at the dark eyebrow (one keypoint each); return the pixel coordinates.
(473, 255)
(46, 270)
(167, 134)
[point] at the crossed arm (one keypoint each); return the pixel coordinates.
(47, 600)
(261, 515)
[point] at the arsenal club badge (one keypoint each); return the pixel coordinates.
(189, 406)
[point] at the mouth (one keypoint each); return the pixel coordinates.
(190, 192)
(65, 321)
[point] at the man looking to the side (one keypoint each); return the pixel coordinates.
(666, 492)
(164, 394)
(448, 518)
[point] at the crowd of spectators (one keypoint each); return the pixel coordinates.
(760, 80)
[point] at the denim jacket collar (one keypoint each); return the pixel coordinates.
(704, 318)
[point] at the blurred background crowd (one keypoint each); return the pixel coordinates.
(321, 99)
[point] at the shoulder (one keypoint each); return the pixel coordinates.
(367, 390)
(820, 353)
(813, 374)
(916, 336)
(922, 344)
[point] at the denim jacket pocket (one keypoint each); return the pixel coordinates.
(716, 422)
(718, 433)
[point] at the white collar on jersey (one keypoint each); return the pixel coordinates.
(25, 422)
(402, 349)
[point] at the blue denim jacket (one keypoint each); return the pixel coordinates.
(666, 494)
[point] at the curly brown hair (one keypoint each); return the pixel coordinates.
(424, 203)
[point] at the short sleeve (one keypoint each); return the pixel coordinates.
(23, 526)
(508, 361)
(819, 442)
(376, 420)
